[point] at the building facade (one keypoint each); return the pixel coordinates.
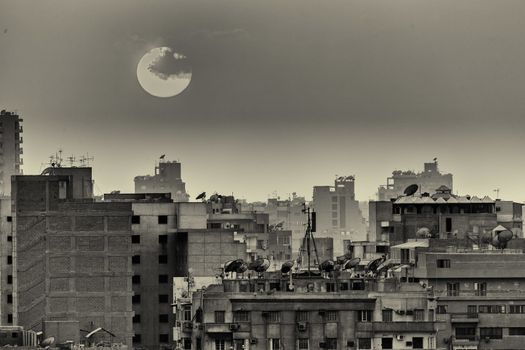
(167, 179)
(10, 149)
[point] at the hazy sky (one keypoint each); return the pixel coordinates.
(284, 94)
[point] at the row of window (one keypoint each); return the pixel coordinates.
(487, 309)
(135, 259)
(480, 289)
(163, 318)
(163, 338)
(303, 316)
(163, 239)
(163, 298)
(162, 219)
(465, 332)
(162, 279)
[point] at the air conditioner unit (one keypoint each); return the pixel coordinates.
(253, 341)
(234, 326)
(400, 337)
(302, 326)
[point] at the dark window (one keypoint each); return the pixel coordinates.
(330, 287)
(163, 219)
(302, 316)
(136, 319)
(215, 225)
(9, 298)
(135, 259)
(364, 343)
(241, 316)
(303, 343)
(481, 289)
(492, 309)
(419, 315)
(219, 316)
(163, 259)
(163, 239)
(364, 316)
(163, 298)
(387, 315)
(331, 316)
(382, 249)
(343, 286)
(453, 289)
(443, 263)
(405, 256)
(14, 335)
(135, 299)
(135, 279)
(491, 332)
(164, 318)
(331, 343)
(163, 278)
(136, 240)
(9, 219)
(466, 332)
(186, 343)
(164, 338)
(516, 330)
(417, 343)
(517, 309)
(137, 339)
(135, 219)
(274, 316)
(386, 343)
(9, 279)
(448, 224)
(276, 344)
(442, 309)
(220, 344)
(9, 318)
(9, 260)
(9, 238)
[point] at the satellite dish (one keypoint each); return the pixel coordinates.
(234, 266)
(341, 260)
(327, 265)
(486, 238)
(201, 196)
(259, 265)
(410, 190)
(350, 264)
(374, 264)
(505, 236)
(47, 342)
(423, 232)
(287, 266)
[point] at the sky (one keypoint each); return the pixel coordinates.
(284, 94)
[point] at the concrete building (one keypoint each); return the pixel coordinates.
(427, 180)
(316, 313)
(338, 212)
(7, 290)
(167, 179)
(442, 215)
(152, 243)
(10, 149)
(72, 259)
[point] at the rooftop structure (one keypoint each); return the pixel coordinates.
(167, 179)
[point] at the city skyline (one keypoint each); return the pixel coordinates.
(282, 98)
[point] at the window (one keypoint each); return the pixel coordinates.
(199, 344)
(517, 309)
(448, 225)
(9, 298)
(135, 239)
(491, 332)
(492, 309)
(9, 318)
(137, 338)
(241, 316)
(386, 343)
(443, 263)
(186, 315)
(219, 316)
(419, 315)
(135, 259)
(516, 330)
(334, 223)
(275, 344)
(331, 316)
(135, 299)
(163, 278)
(163, 259)
(186, 343)
(442, 309)
(164, 338)
(163, 298)
(302, 316)
(330, 287)
(9, 260)
(135, 279)
(417, 343)
(136, 319)
(302, 344)
(334, 199)
(343, 286)
(387, 315)
(135, 219)
(163, 220)
(163, 239)
(215, 225)
(9, 238)
(219, 344)
(405, 256)
(164, 318)
(260, 244)
(283, 240)
(331, 343)
(453, 289)
(472, 311)
(364, 316)
(9, 279)
(364, 343)
(9, 219)
(481, 289)
(274, 316)
(466, 332)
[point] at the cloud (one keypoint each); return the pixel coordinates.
(170, 64)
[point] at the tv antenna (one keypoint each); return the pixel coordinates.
(497, 193)
(86, 160)
(308, 239)
(71, 159)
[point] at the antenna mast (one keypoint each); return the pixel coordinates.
(308, 239)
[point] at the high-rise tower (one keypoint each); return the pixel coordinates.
(10, 149)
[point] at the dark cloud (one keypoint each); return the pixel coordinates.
(169, 64)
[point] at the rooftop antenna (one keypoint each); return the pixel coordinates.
(308, 239)
(71, 159)
(85, 160)
(497, 193)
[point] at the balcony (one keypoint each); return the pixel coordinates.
(470, 317)
(215, 328)
(396, 327)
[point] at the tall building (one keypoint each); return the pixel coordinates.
(153, 262)
(72, 258)
(10, 149)
(167, 178)
(427, 180)
(338, 212)
(7, 290)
